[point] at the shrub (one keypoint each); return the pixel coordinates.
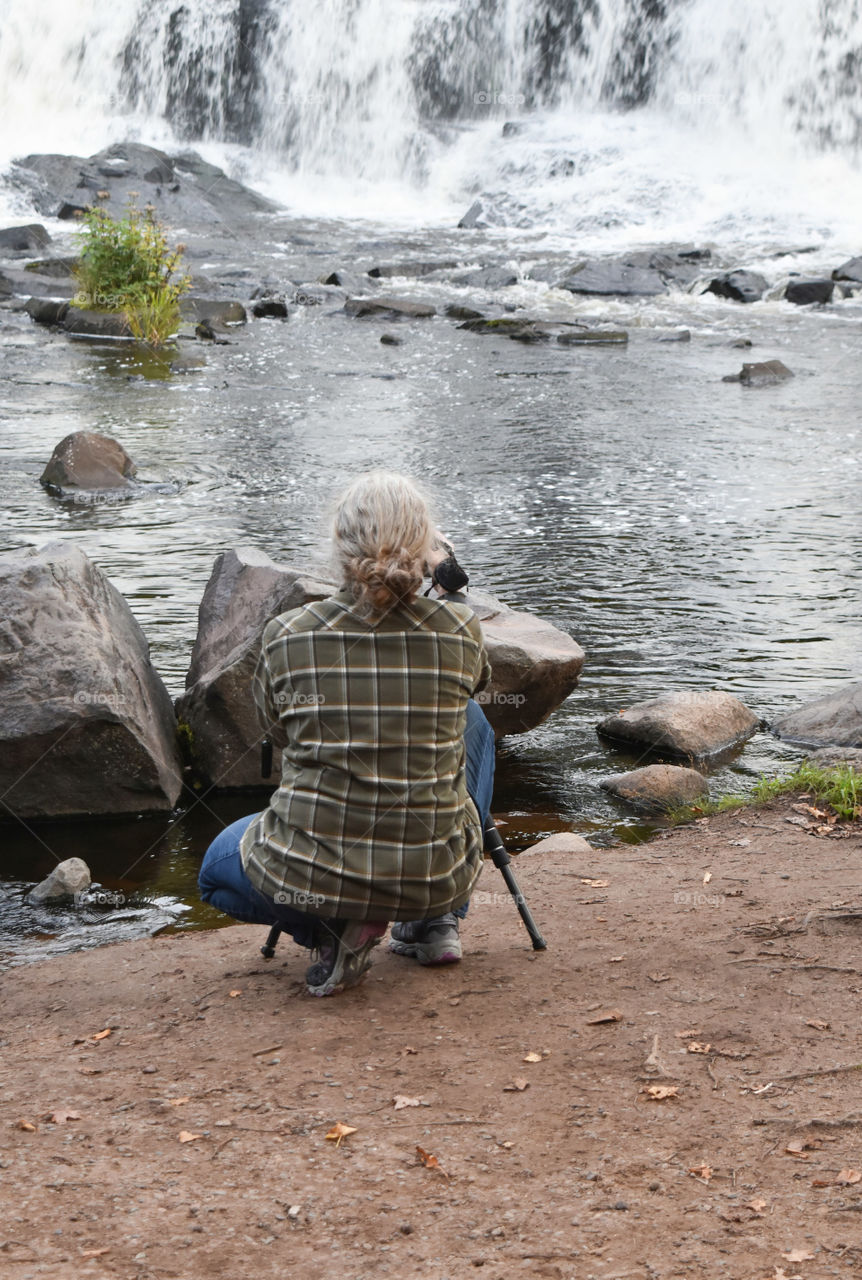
(126, 265)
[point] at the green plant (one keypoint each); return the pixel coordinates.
(126, 265)
(838, 785)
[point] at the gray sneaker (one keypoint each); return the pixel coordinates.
(428, 941)
(343, 957)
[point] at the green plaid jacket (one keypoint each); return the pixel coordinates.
(372, 820)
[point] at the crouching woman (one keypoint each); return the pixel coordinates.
(387, 763)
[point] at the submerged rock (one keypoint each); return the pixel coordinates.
(804, 292)
(835, 720)
(658, 788)
(67, 879)
(593, 338)
(391, 308)
(408, 270)
(761, 374)
(270, 309)
(87, 460)
(534, 665)
(213, 311)
(455, 311)
(487, 278)
(614, 278)
(391, 340)
(87, 726)
(683, 724)
(741, 286)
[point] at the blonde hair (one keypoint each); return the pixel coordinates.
(382, 533)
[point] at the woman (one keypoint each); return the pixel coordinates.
(368, 694)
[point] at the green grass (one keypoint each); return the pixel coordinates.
(836, 785)
(126, 266)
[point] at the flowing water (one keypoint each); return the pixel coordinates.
(689, 533)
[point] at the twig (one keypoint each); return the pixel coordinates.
(822, 1071)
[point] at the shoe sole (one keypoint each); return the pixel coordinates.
(427, 954)
(352, 958)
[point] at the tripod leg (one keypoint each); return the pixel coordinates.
(268, 948)
(501, 860)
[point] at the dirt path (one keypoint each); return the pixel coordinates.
(561, 1167)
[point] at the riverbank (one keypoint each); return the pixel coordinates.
(690, 1108)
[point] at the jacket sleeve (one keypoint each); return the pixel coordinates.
(483, 666)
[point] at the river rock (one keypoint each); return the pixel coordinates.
(390, 308)
(804, 292)
(87, 460)
(657, 788)
(27, 239)
(54, 268)
(741, 286)
(487, 278)
(561, 842)
(46, 310)
(535, 666)
(408, 270)
(218, 312)
(270, 309)
(851, 270)
(835, 720)
(67, 879)
(96, 324)
(471, 220)
(761, 374)
(7, 288)
(455, 311)
(682, 724)
(593, 338)
(614, 279)
(87, 727)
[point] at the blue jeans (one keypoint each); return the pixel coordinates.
(223, 882)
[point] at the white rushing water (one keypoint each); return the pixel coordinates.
(737, 123)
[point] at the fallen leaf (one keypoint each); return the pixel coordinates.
(815, 813)
(796, 1148)
(401, 1101)
(339, 1132)
(756, 1206)
(798, 1255)
(408, 1048)
(697, 1046)
(185, 1136)
(233, 994)
(659, 977)
(612, 1015)
(822, 1182)
(101, 1035)
(532, 1056)
(62, 1115)
(658, 1092)
(177, 1102)
(518, 1085)
(95, 1253)
(26, 1126)
(848, 1177)
(701, 1171)
(596, 884)
(430, 1162)
(818, 1024)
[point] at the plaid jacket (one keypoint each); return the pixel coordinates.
(372, 820)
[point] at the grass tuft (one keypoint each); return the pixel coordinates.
(837, 785)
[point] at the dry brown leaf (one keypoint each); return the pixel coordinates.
(659, 977)
(26, 1126)
(101, 1035)
(818, 1024)
(61, 1115)
(756, 1206)
(798, 1255)
(822, 1182)
(339, 1132)
(518, 1085)
(701, 1171)
(401, 1101)
(233, 994)
(177, 1102)
(596, 884)
(612, 1015)
(848, 1177)
(430, 1162)
(95, 1253)
(796, 1148)
(532, 1056)
(185, 1136)
(658, 1092)
(697, 1046)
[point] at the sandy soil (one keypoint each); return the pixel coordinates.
(739, 995)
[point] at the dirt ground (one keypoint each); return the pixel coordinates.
(737, 996)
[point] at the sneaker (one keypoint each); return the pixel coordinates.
(428, 941)
(343, 957)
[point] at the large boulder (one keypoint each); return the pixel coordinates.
(614, 279)
(96, 324)
(67, 879)
(741, 286)
(87, 726)
(804, 292)
(46, 310)
(835, 720)
(27, 239)
(535, 666)
(764, 373)
(682, 725)
(658, 788)
(851, 270)
(87, 460)
(218, 312)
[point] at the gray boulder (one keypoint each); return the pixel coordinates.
(487, 278)
(87, 724)
(835, 720)
(217, 312)
(593, 338)
(804, 292)
(764, 373)
(96, 324)
(472, 219)
(851, 270)
(614, 279)
(390, 308)
(67, 879)
(567, 842)
(87, 460)
(691, 725)
(535, 666)
(741, 286)
(46, 310)
(658, 788)
(28, 239)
